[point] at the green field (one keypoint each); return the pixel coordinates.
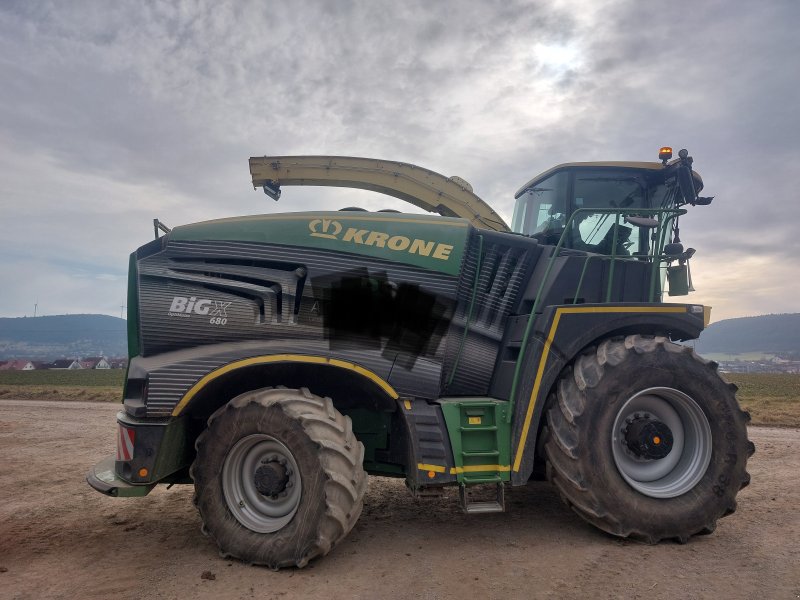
(79, 377)
(102, 385)
(771, 398)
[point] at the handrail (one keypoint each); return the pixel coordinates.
(668, 213)
(475, 281)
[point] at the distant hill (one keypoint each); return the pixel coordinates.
(769, 334)
(62, 336)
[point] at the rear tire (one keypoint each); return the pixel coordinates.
(278, 477)
(605, 399)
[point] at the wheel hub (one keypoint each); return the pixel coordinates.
(677, 462)
(648, 438)
(261, 483)
(271, 478)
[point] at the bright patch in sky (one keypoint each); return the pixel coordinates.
(560, 57)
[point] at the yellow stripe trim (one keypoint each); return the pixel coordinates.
(434, 468)
(407, 404)
(546, 351)
(274, 358)
(467, 469)
(479, 469)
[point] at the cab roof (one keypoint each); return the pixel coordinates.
(639, 166)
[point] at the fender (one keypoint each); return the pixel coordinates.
(450, 197)
(366, 375)
(195, 382)
(560, 334)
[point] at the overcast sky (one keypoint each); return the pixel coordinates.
(112, 114)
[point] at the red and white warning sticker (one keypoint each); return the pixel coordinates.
(125, 443)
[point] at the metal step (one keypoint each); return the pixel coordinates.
(480, 453)
(483, 506)
(427, 492)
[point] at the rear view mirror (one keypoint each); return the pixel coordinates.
(686, 183)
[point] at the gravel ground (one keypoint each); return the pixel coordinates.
(60, 539)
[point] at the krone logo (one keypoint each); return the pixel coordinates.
(325, 228)
(328, 228)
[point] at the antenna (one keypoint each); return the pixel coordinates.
(35, 307)
(121, 310)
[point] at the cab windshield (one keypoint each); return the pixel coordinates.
(543, 210)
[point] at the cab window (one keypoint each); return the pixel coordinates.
(542, 209)
(594, 231)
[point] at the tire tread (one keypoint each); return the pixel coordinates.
(340, 457)
(564, 465)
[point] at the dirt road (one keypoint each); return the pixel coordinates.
(60, 539)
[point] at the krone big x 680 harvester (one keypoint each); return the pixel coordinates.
(275, 360)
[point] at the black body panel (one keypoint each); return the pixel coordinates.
(205, 304)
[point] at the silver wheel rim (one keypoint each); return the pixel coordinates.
(684, 466)
(252, 508)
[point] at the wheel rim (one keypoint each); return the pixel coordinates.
(685, 464)
(261, 483)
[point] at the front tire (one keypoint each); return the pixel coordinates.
(645, 440)
(278, 477)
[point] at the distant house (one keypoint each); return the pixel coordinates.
(118, 363)
(95, 362)
(18, 365)
(66, 364)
